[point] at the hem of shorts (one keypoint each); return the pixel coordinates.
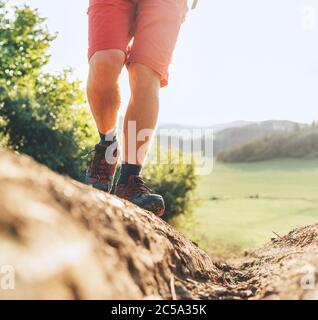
(164, 77)
(93, 50)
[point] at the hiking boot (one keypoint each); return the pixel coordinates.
(100, 173)
(138, 193)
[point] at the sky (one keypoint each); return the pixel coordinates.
(234, 60)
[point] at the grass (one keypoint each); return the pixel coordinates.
(242, 204)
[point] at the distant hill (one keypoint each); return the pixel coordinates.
(228, 135)
(234, 134)
(177, 126)
(234, 124)
(231, 137)
(302, 143)
(216, 127)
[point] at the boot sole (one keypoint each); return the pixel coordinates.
(156, 207)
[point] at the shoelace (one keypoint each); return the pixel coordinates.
(138, 185)
(84, 156)
(98, 165)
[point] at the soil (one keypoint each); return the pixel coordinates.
(66, 240)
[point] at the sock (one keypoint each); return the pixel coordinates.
(128, 170)
(108, 138)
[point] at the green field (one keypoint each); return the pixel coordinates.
(241, 205)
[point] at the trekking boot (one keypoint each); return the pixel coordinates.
(138, 193)
(100, 173)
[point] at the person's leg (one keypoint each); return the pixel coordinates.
(110, 30)
(103, 89)
(158, 24)
(104, 100)
(157, 30)
(142, 112)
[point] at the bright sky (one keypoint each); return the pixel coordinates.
(247, 59)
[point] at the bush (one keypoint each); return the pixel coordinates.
(41, 114)
(56, 137)
(176, 182)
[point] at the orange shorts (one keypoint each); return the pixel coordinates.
(153, 25)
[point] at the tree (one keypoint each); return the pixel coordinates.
(24, 40)
(41, 114)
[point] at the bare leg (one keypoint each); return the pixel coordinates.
(142, 110)
(104, 99)
(142, 113)
(102, 87)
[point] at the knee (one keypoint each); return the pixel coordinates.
(106, 65)
(143, 79)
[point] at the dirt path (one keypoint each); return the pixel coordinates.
(84, 244)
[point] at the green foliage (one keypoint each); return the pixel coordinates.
(176, 181)
(41, 114)
(24, 40)
(54, 134)
(301, 143)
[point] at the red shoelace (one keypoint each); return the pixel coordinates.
(135, 187)
(99, 168)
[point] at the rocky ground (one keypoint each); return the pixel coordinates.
(68, 241)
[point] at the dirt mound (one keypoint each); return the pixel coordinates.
(68, 241)
(286, 268)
